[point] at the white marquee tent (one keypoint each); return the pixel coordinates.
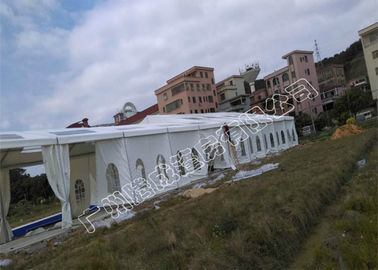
(84, 165)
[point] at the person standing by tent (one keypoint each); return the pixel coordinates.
(226, 130)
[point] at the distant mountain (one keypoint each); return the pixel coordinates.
(352, 59)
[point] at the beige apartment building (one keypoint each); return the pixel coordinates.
(369, 38)
(192, 91)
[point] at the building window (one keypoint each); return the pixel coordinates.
(290, 60)
(215, 94)
(276, 81)
(293, 74)
(201, 110)
(203, 87)
(198, 87)
(222, 97)
(206, 76)
(216, 105)
(210, 98)
(174, 105)
(112, 178)
(199, 99)
(191, 87)
(212, 110)
(285, 77)
(212, 80)
(163, 109)
(165, 96)
(268, 84)
(79, 190)
(208, 87)
(201, 74)
(195, 159)
(194, 99)
(231, 83)
(178, 89)
(195, 111)
(306, 60)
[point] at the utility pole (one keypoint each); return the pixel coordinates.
(317, 53)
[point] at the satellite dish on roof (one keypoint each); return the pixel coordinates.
(129, 109)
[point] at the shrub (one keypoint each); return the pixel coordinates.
(351, 121)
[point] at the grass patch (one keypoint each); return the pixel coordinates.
(252, 224)
(25, 211)
(348, 233)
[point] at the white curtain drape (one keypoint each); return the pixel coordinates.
(5, 196)
(57, 166)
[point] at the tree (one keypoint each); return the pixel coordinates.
(351, 103)
(322, 121)
(302, 120)
(25, 187)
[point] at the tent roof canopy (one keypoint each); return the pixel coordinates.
(153, 124)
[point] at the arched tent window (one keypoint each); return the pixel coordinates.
(141, 172)
(160, 162)
(288, 135)
(258, 144)
(293, 133)
(265, 142)
(207, 151)
(195, 160)
(271, 139)
(283, 137)
(180, 163)
(278, 138)
(79, 190)
(112, 177)
(250, 144)
(242, 148)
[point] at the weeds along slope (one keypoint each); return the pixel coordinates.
(347, 235)
(257, 223)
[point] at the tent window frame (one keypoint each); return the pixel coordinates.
(161, 160)
(180, 163)
(278, 138)
(79, 190)
(258, 144)
(195, 160)
(250, 144)
(112, 178)
(242, 148)
(283, 137)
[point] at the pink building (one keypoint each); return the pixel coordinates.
(192, 91)
(300, 64)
